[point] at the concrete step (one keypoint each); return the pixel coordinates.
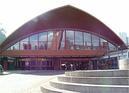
(49, 89)
(89, 88)
(96, 80)
(98, 73)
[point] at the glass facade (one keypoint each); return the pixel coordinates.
(34, 42)
(24, 44)
(16, 46)
(63, 41)
(111, 47)
(78, 40)
(50, 39)
(69, 39)
(95, 42)
(87, 41)
(42, 44)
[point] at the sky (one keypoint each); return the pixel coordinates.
(113, 13)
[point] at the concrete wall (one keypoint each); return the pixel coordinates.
(124, 64)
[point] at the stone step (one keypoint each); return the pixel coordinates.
(96, 80)
(98, 73)
(89, 88)
(49, 89)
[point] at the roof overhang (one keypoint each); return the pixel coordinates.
(64, 17)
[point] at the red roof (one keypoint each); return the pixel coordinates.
(64, 17)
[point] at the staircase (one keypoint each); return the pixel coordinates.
(90, 81)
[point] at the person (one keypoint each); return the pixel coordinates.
(71, 67)
(63, 66)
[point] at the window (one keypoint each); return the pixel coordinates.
(34, 42)
(43, 36)
(95, 42)
(16, 46)
(111, 47)
(43, 40)
(87, 40)
(103, 44)
(69, 39)
(63, 41)
(78, 40)
(50, 38)
(24, 44)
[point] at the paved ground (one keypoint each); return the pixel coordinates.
(25, 81)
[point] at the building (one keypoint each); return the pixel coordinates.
(124, 37)
(62, 36)
(2, 35)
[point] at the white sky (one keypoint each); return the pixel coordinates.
(114, 13)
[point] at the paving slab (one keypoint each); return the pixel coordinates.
(25, 81)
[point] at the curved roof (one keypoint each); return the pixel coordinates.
(64, 17)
